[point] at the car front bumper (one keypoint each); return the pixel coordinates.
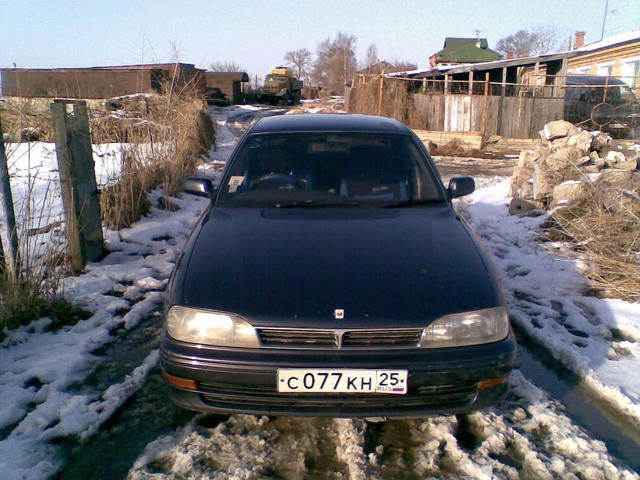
(440, 381)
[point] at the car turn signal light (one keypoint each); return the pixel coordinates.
(180, 382)
(492, 382)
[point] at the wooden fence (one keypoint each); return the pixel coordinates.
(494, 111)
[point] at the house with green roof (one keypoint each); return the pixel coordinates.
(463, 50)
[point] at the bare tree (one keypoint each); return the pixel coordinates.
(536, 41)
(521, 44)
(335, 62)
(226, 67)
(551, 39)
(300, 59)
(371, 57)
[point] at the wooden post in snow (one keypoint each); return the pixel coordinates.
(380, 93)
(10, 257)
(80, 195)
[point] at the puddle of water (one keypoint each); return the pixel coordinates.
(591, 414)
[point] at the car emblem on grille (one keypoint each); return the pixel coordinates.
(338, 313)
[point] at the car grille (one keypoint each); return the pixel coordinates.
(343, 339)
(265, 396)
(291, 337)
(400, 338)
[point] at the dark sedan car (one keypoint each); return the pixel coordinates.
(331, 276)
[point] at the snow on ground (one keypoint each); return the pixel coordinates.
(37, 199)
(33, 168)
(45, 399)
(40, 369)
(598, 339)
(527, 436)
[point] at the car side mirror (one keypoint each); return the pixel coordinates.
(461, 186)
(199, 186)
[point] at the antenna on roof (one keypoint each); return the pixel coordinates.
(478, 32)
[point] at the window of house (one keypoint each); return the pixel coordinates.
(583, 70)
(605, 69)
(630, 72)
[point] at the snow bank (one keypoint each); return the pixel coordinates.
(598, 339)
(40, 369)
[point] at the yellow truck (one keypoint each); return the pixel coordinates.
(281, 87)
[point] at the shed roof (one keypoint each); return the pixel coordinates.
(145, 66)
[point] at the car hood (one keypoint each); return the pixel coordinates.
(295, 267)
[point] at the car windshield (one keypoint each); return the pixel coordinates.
(329, 169)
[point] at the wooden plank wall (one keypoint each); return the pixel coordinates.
(521, 117)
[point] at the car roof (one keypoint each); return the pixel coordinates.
(313, 122)
(598, 80)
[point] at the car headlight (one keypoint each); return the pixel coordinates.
(210, 328)
(468, 328)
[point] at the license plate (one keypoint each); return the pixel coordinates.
(293, 380)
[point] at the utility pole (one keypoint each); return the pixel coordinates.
(604, 18)
(9, 233)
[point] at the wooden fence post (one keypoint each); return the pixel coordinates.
(80, 195)
(10, 256)
(485, 112)
(380, 93)
(503, 89)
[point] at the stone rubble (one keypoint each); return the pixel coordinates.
(557, 171)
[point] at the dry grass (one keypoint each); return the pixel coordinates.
(34, 291)
(165, 140)
(164, 137)
(604, 228)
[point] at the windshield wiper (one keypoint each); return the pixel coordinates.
(315, 204)
(411, 203)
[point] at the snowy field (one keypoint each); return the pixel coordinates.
(47, 400)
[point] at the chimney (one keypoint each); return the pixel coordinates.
(478, 43)
(510, 55)
(579, 42)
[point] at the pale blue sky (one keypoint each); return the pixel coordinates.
(256, 34)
